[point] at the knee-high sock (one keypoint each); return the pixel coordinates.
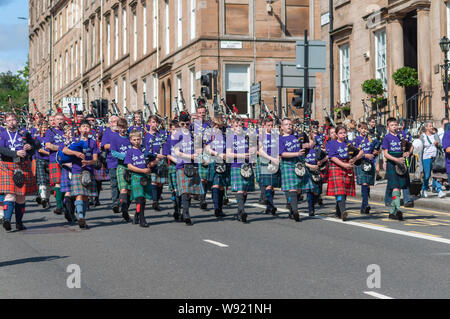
(263, 195)
(294, 201)
(140, 205)
(240, 201)
(203, 196)
(365, 196)
(221, 195)
(155, 193)
(185, 202)
(395, 202)
(58, 197)
(160, 189)
(123, 200)
(269, 197)
(341, 203)
(79, 207)
(216, 197)
(310, 201)
(245, 198)
(8, 208)
(287, 195)
(68, 204)
(20, 211)
(99, 188)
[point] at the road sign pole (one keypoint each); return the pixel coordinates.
(306, 93)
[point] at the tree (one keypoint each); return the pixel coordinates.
(16, 86)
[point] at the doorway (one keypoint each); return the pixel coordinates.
(410, 59)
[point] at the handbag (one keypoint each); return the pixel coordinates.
(18, 178)
(220, 168)
(85, 178)
(300, 169)
(127, 176)
(246, 170)
(189, 170)
(438, 163)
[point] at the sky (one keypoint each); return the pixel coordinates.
(13, 35)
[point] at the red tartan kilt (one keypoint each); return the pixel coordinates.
(55, 174)
(339, 182)
(6, 179)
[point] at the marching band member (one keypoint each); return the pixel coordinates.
(341, 180)
(395, 156)
(172, 174)
(42, 163)
(16, 180)
(66, 172)
(313, 163)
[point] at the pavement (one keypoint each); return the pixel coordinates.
(273, 257)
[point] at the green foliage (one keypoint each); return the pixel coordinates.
(373, 87)
(16, 86)
(406, 77)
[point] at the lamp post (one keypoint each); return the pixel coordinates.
(445, 47)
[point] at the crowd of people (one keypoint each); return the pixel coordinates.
(195, 155)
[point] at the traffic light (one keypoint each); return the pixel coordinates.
(298, 99)
(104, 108)
(201, 101)
(206, 83)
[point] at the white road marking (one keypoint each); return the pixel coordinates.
(377, 295)
(215, 243)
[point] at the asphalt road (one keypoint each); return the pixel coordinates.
(269, 257)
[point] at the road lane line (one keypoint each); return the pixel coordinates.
(373, 224)
(417, 232)
(377, 295)
(215, 243)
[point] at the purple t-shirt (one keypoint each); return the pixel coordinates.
(135, 157)
(167, 147)
(311, 157)
(120, 144)
(445, 144)
(184, 142)
(154, 141)
(289, 144)
(337, 149)
(88, 152)
(364, 144)
(12, 140)
(107, 137)
(56, 137)
(41, 139)
(392, 143)
(238, 144)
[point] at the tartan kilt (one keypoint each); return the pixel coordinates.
(324, 173)
(42, 172)
(101, 174)
(189, 185)
(121, 182)
(290, 180)
(157, 179)
(65, 179)
(363, 177)
(7, 185)
(55, 173)
(76, 188)
(266, 179)
(393, 179)
(238, 183)
(137, 190)
(203, 171)
(307, 184)
(219, 179)
(172, 178)
(339, 183)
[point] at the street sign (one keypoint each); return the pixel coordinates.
(255, 93)
(72, 100)
(288, 76)
(317, 57)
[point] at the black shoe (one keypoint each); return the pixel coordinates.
(7, 225)
(274, 211)
(226, 201)
(126, 217)
(20, 227)
(296, 216)
(379, 178)
(203, 205)
(176, 216)
(409, 204)
(291, 216)
(136, 219)
(97, 202)
(393, 216)
(68, 216)
(312, 214)
(82, 223)
(320, 202)
(156, 207)
(344, 216)
(368, 208)
(217, 212)
(38, 200)
(57, 211)
(142, 222)
(116, 209)
(268, 211)
(188, 222)
(45, 204)
(244, 217)
(365, 211)
(222, 214)
(400, 215)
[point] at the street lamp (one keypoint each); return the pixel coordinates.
(445, 47)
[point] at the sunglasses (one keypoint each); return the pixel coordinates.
(183, 124)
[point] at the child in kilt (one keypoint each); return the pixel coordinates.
(15, 155)
(312, 164)
(292, 150)
(392, 151)
(238, 153)
(184, 152)
(141, 187)
(83, 162)
(42, 163)
(268, 154)
(66, 173)
(119, 145)
(341, 179)
(365, 179)
(216, 147)
(172, 176)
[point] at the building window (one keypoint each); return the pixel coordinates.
(155, 89)
(124, 96)
(344, 52)
(179, 23)
(66, 67)
(56, 28)
(167, 26)
(192, 88)
(108, 43)
(87, 49)
(144, 18)
(81, 56)
(116, 92)
(134, 36)
(236, 18)
(60, 25)
(116, 37)
(76, 58)
(380, 57)
(155, 22)
(71, 63)
(93, 45)
(193, 21)
(297, 17)
(237, 86)
(144, 88)
(124, 30)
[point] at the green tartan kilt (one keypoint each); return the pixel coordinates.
(365, 177)
(393, 179)
(158, 179)
(289, 180)
(219, 179)
(188, 185)
(238, 183)
(76, 188)
(172, 178)
(121, 183)
(137, 190)
(203, 171)
(267, 179)
(307, 184)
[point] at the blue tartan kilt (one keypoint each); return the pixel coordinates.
(189, 185)
(363, 177)
(157, 179)
(307, 184)
(65, 179)
(289, 180)
(219, 179)
(238, 183)
(76, 188)
(172, 178)
(137, 190)
(203, 172)
(101, 174)
(267, 179)
(121, 182)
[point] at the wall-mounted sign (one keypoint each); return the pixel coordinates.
(231, 44)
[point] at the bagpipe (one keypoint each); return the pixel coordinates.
(79, 146)
(402, 168)
(300, 167)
